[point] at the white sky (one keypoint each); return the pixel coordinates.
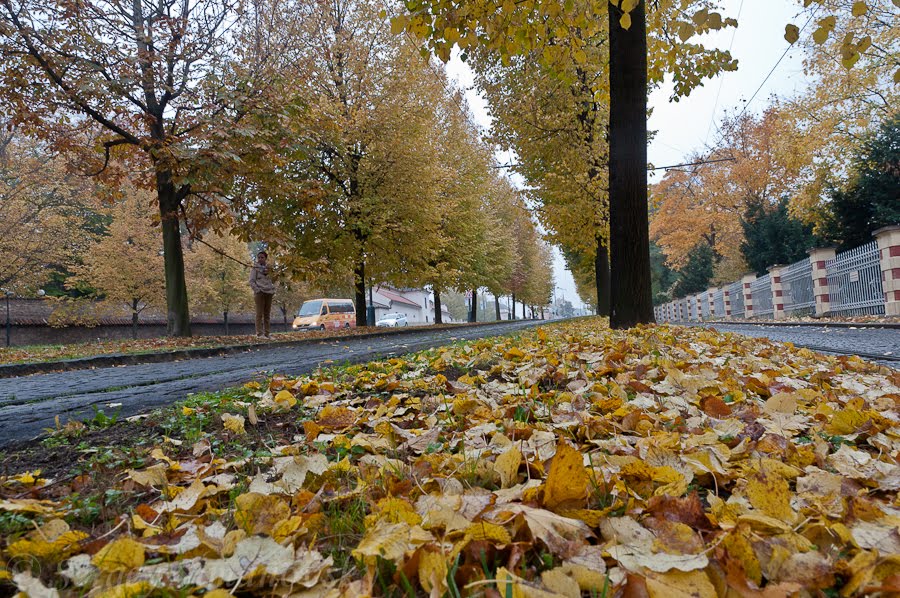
(684, 126)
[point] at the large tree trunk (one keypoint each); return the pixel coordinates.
(225, 318)
(512, 314)
(178, 317)
(359, 289)
(438, 317)
(497, 306)
(524, 315)
(134, 318)
(629, 241)
(473, 307)
(601, 271)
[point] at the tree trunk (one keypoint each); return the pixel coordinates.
(438, 316)
(225, 318)
(629, 239)
(473, 307)
(497, 306)
(359, 289)
(284, 316)
(134, 318)
(524, 314)
(542, 313)
(178, 317)
(601, 271)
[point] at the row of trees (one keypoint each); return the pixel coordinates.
(225, 107)
(818, 168)
(306, 124)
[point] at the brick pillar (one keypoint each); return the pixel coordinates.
(889, 251)
(777, 292)
(818, 257)
(698, 301)
(726, 299)
(746, 281)
(711, 299)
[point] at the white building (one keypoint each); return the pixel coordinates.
(416, 304)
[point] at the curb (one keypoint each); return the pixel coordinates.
(884, 325)
(15, 370)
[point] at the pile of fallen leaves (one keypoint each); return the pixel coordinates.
(570, 461)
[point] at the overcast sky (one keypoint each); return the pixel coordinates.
(685, 126)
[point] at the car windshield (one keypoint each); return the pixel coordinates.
(391, 316)
(310, 308)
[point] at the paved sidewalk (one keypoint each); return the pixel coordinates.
(876, 344)
(28, 405)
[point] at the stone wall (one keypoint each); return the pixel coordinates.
(29, 325)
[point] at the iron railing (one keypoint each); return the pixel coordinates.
(704, 306)
(719, 300)
(761, 292)
(854, 281)
(736, 294)
(797, 289)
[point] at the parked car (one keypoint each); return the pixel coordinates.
(319, 314)
(392, 321)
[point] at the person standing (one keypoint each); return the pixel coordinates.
(263, 291)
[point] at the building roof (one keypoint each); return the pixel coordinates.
(395, 297)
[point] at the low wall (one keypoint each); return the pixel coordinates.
(41, 334)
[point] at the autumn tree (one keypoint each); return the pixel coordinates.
(217, 275)
(125, 266)
(166, 87)
(757, 161)
(556, 123)
(360, 194)
(842, 107)
(555, 32)
(47, 214)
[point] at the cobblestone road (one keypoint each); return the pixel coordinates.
(28, 405)
(877, 344)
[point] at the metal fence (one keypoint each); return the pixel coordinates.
(797, 289)
(704, 306)
(761, 291)
(719, 301)
(854, 281)
(736, 293)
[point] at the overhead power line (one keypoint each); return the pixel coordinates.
(652, 168)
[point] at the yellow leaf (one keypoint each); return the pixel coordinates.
(433, 572)
(398, 24)
(791, 33)
(514, 353)
(187, 411)
(770, 494)
(567, 482)
(285, 400)
(129, 590)
(486, 531)
(234, 423)
(859, 9)
(120, 556)
(681, 584)
(507, 466)
(625, 21)
(848, 421)
(390, 541)
(820, 35)
(259, 513)
(685, 31)
(52, 549)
